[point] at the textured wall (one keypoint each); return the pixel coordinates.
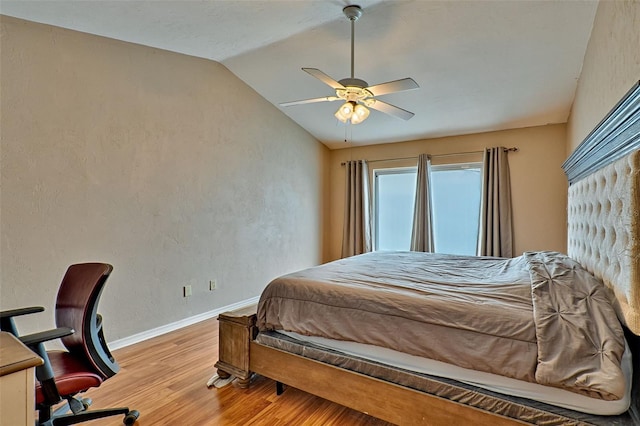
(538, 184)
(167, 166)
(611, 67)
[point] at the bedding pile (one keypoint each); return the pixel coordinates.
(539, 317)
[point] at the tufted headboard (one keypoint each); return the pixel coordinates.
(604, 205)
(604, 231)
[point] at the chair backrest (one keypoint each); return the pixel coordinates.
(77, 307)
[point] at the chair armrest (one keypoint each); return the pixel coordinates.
(45, 336)
(20, 311)
(6, 317)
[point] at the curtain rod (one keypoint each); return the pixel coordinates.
(512, 149)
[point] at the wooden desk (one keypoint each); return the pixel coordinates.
(17, 381)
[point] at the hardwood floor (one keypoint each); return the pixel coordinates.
(165, 379)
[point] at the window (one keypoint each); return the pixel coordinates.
(455, 196)
(394, 196)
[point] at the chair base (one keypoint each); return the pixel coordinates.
(130, 416)
(81, 413)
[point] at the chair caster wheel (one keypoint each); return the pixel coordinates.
(131, 417)
(86, 402)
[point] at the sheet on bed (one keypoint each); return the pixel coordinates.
(480, 313)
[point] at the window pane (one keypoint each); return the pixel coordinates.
(456, 209)
(395, 194)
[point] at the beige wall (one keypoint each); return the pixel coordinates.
(611, 67)
(167, 166)
(538, 184)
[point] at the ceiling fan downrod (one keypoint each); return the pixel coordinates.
(352, 12)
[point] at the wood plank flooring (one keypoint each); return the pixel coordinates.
(165, 379)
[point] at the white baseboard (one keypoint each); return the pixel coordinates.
(158, 331)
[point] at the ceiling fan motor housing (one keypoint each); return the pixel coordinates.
(353, 82)
(353, 94)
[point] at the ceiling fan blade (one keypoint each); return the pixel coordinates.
(310, 101)
(393, 86)
(391, 110)
(323, 78)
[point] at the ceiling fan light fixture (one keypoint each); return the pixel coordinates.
(345, 112)
(360, 113)
(352, 112)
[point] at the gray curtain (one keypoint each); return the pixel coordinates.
(356, 232)
(495, 236)
(422, 232)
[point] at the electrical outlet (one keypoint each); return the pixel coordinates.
(186, 290)
(212, 285)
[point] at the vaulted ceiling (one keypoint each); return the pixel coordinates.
(481, 65)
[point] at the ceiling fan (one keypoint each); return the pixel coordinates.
(357, 93)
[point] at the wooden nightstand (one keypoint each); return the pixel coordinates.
(236, 330)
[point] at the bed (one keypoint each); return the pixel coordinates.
(359, 366)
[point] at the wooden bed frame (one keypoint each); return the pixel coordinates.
(394, 403)
(617, 135)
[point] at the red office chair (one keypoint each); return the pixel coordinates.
(87, 361)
